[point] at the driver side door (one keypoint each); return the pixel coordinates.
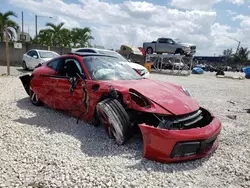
(65, 95)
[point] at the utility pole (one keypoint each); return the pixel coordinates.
(7, 49)
(22, 27)
(36, 23)
(36, 20)
(238, 44)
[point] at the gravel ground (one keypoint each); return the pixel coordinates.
(44, 148)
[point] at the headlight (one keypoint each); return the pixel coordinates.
(186, 91)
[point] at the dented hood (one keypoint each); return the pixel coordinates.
(168, 95)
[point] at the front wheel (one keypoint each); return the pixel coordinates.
(115, 120)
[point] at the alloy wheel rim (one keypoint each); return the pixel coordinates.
(34, 98)
(109, 127)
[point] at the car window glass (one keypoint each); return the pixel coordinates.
(162, 41)
(54, 64)
(109, 68)
(70, 67)
(169, 41)
(47, 54)
(31, 53)
(76, 63)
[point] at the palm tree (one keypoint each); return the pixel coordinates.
(44, 37)
(7, 23)
(56, 32)
(242, 56)
(65, 38)
(81, 37)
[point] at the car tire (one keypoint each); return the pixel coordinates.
(115, 120)
(24, 65)
(34, 99)
(149, 50)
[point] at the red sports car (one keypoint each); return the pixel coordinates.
(102, 90)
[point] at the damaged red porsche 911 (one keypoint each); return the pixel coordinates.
(100, 89)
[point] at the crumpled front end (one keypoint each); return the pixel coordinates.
(169, 143)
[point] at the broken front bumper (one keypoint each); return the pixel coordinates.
(177, 145)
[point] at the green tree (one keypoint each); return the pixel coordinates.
(228, 55)
(44, 37)
(7, 23)
(56, 32)
(242, 56)
(81, 37)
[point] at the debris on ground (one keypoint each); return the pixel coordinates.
(232, 102)
(234, 117)
(231, 77)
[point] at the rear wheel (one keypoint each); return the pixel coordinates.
(115, 120)
(34, 99)
(149, 50)
(179, 51)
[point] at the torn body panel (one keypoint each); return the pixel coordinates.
(177, 145)
(25, 79)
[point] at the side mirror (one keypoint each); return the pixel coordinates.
(35, 56)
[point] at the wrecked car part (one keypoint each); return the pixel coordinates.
(85, 100)
(183, 149)
(25, 79)
(199, 118)
(113, 93)
(139, 99)
(73, 81)
(187, 92)
(173, 145)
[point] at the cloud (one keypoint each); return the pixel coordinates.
(194, 4)
(135, 22)
(238, 2)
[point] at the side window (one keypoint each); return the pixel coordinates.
(76, 64)
(70, 67)
(170, 41)
(54, 64)
(30, 53)
(161, 41)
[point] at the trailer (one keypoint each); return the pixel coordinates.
(170, 64)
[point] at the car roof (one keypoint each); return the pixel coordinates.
(94, 49)
(42, 50)
(85, 54)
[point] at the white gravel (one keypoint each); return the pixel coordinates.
(41, 147)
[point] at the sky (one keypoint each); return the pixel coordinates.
(211, 25)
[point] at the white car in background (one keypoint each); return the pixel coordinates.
(137, 67)
(35, 57)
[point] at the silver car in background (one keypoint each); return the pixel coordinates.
(137, 67)
(35, 57)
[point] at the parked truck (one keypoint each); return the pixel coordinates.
(170, 46)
